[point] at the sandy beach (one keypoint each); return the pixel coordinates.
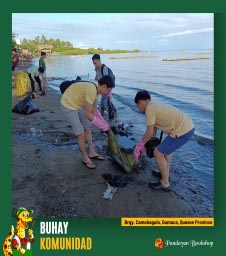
(49, 177)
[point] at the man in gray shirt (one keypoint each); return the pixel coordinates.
(101, 70)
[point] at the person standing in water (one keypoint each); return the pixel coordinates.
(102, 70)
(42, 64)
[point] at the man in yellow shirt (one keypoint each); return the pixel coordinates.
(171, 121)
(79, 104)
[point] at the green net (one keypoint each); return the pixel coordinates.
(124, 157)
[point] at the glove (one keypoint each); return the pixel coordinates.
(110, 95)
(138, 150)
(98, 114)
(100, 123)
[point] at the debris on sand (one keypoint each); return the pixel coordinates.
(117, 180)
(113, 184)
(110, 191)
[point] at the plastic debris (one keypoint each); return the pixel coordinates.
(36, 132)
(110, 191)
(117, 180)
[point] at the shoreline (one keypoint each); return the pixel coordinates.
(50, 178)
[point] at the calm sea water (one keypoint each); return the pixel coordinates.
(187, 85)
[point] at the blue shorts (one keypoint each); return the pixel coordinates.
(169, 144)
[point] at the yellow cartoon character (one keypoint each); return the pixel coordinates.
(18, 244)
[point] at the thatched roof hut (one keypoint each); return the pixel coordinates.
(45, 48)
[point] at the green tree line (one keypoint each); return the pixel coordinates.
(63, 47)
(58, 45)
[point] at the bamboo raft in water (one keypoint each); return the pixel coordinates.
(131, 57)
(204, 53)
(181, 59)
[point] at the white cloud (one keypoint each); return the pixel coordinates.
(186, 32)
(84, 45)
(119, 30)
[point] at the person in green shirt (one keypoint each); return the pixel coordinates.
(44, 79)
(42, 61)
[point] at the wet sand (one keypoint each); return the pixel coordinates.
(48, 175)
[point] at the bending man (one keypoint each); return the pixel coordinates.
(171, 121)
(79, 103)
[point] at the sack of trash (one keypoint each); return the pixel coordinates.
(25, 106)
(124, 157)
(151, 144)
(22, 83)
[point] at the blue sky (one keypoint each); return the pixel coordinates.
(147, 31)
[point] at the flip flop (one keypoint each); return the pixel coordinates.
(89, 165)
(158, 174)
(158, 186)
(97, 157)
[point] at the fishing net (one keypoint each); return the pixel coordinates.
(124, 157)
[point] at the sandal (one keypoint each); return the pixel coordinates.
(43, 93)
(158, 174)
(89, 165)
(97, 157)
(158, 186)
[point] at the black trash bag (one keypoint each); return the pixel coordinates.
(26, 106)
(151, 145)
(117, 180)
